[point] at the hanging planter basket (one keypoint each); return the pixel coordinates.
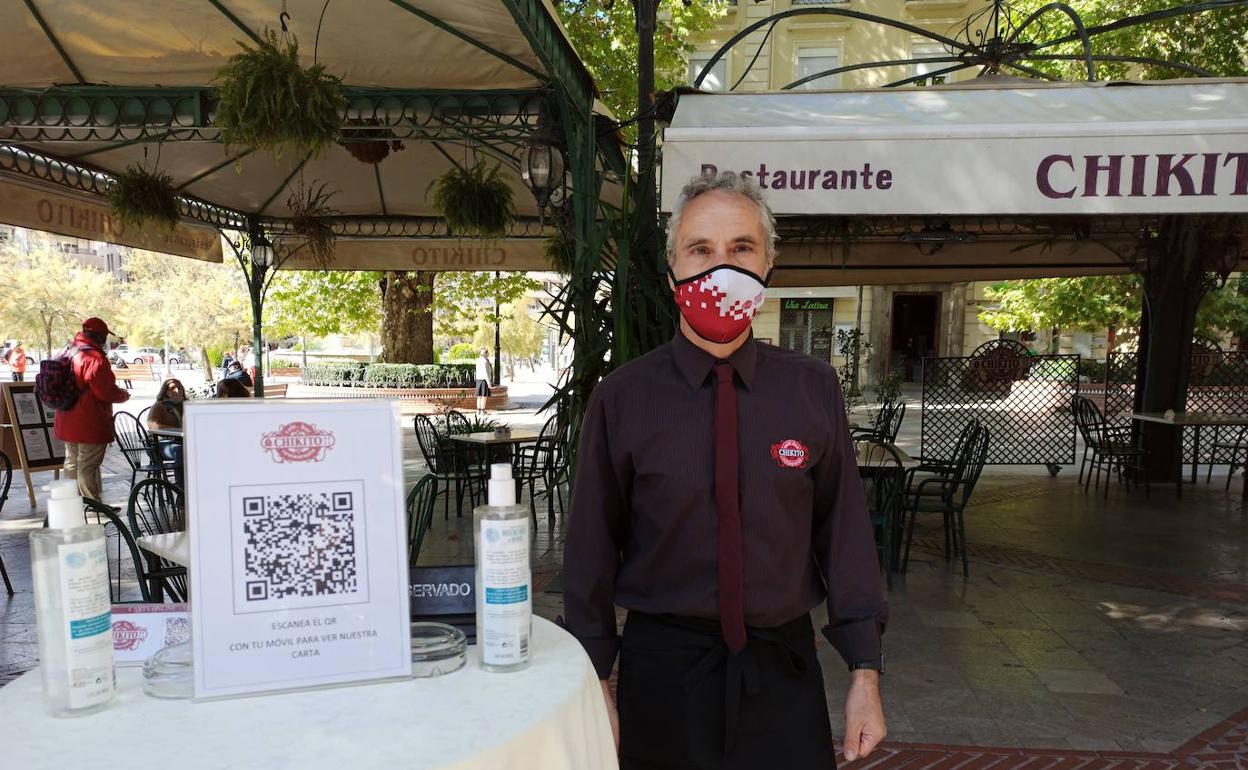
(268, 101)
(475, 200)
(370, 145)
(139, 197)
(309, 209)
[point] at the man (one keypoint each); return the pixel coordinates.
(87, 426)
(485, 376)
(17, 361)
(717, 499)
(236, 373)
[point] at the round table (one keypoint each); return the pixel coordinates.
(551, 715)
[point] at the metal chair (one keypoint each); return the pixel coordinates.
(455, 419)
(156, 507)
(117, 534)
(1237, 448)
(136, 447)
(6, 481)
(1112, 448)
(420, 504)
(880, 467)
(539, 462)
(886, 426)
(142, 415)
(447, 465)
(949, 494)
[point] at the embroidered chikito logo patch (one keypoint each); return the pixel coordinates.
(298, 442)
(127, 636)
(790, 453)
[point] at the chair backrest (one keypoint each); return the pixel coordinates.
(456, 421)
(970, 465)
(131, 438)
(142, 415)
(121, 542)
(427, 438)
(892, 424)
(419, 514)
(156, 508)
(6, 477)
(1090, 421)
(880, 468)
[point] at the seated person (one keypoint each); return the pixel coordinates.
(167, 411)
(237, 373)
(231, 388)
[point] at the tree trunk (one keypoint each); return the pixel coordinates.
(1174, 286)
(407, 318)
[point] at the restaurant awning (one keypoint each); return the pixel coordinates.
(1086, 148)
(970, 181)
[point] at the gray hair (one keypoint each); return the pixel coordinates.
(729, 182)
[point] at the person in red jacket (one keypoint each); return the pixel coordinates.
(17, 361)
(87, 427)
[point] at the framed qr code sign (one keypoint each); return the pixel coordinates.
(298, 562)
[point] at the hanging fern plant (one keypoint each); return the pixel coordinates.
(139, 196)
(475, 201)
(559, 253)
(268, 101)
(309, 207)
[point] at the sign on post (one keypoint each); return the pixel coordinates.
(32, 438)
(297, 544)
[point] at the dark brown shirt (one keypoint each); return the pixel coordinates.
(643, 522)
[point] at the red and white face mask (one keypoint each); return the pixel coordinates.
(720, 303)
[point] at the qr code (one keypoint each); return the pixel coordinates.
(297, 546)
(177, 630)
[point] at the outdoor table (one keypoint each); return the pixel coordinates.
(490, 438)
(907, 462)
(167, 432)
(1196, 421)
(550, 715)
(173, 546)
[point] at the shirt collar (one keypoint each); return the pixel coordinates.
(695, 363)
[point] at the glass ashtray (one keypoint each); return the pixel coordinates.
(437, 649)
(169, 673)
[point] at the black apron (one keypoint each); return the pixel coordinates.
(685, 702)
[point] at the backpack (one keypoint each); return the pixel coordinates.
(55, 384)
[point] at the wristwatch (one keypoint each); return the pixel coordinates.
(874, 665)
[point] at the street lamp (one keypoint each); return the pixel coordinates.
(543, 164)
(261, 252)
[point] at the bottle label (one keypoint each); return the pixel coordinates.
(89, 638)
(507, 604)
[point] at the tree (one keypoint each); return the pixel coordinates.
(407, 317)
(462, 300)
(46, 295)
(319, 303)
(1213, 40)
(520, 337)
(605, 36)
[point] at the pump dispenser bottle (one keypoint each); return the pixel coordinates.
(504, 576)
(72, 607)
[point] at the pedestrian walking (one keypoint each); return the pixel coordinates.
(87, 426)
(485, 377)
(717, 499)
(17, 360)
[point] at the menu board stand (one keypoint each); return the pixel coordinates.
(37, 448)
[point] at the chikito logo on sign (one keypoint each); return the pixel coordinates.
(127, 635)
(298, 442)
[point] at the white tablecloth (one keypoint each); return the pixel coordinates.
(550, 716)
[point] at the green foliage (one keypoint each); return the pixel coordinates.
(475, 201)
(389, 375)
(461, 301)
(519, 336)
(308, 208)
(462, 351)
(605, 36)
(1213, 40)
(319, 303)
(1088, 303)
(45, 295)
(850, 344)
(193, 304)
(890, 389)
(139, 196)
(269, 101)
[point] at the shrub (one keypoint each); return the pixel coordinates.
(333, 373)
(462, 351)
(391, 375)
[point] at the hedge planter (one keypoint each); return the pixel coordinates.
(412, 400)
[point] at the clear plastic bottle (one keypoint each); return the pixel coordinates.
(504, 576)
(73, 608)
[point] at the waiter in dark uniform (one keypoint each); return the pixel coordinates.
(717, 499)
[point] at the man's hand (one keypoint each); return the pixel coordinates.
(864, 715)
(615, 717)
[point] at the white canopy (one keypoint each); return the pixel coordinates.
(979, 149)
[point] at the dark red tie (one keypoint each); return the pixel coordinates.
(731, 580)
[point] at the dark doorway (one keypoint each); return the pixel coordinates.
(914, 334)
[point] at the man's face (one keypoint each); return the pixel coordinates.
(720, 228)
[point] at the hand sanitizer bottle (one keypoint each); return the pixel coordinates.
(504, 576)
(72, 607)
